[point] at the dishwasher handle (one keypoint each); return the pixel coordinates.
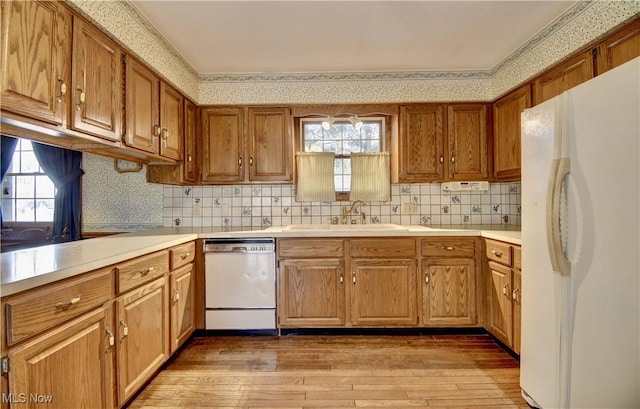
(238, 249)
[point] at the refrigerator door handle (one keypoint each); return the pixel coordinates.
(560, 168)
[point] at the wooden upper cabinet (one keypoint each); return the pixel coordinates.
(191, 168)
(467, 139)
(154, 113)
(35, 59)
(142, 107)
(506, 133)
(270, 144)
(563, 77)
(172, 122)
(246, 144)
(421, 146)
(96, 86)
(621, 47)
(223, 145)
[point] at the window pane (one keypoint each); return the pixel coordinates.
(332, 146)
(313, 131)
(29, 163)
(14, 167)
(7, 210)
(44, 211)
(44, 187)
(313, 146)
(25, 186)
(25, 211)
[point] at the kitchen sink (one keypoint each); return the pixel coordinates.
(343, 227)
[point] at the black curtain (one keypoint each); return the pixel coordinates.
(7, 147)
(63, 167)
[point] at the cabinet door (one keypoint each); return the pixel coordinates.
(182, 306)
(142, 101)
(35, 59)
(270, 144)
(143, 334)
(621, 47)
(311, 293)
(467, 137)
(500, 318)
(223, 145)
(571, 73)
(506, 133)
(172, 119)
(191, 169)
(421, 143)
(96, 89)
(68, 367)
(383, 292)
(449, 292)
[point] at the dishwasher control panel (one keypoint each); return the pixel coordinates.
(240, 246)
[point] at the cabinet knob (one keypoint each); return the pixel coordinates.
(82, 97)
(176, 296)
(165, 134)
(441, 159)
(514, 294)
(353, 277)
(112, 339)
(156, 130)
(63, 89)
(505, 290)
(125, 331)
(453, 159)
(426, 278)
(240, 161)
(496, 253)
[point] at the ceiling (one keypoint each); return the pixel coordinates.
(239, 37)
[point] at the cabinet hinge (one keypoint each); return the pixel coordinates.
(4, 362)
(124, 58)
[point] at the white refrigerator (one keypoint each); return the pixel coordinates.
(581, 245)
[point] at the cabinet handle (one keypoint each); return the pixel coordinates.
(184, 256)
(63, 89)
(453, 159)
(353, 277)
(82, 98)
(251, 160)
(448, 248)
(125, 331)
(165, 134)
(514, 295)
(176, 296)
(505, 290)
(240, 161)
(112, 339)
(156, 130)
(145, 272)
(341, 278)
(189, 158)
(426, 278)
(496, 253)
(67, 304)
(441, 159)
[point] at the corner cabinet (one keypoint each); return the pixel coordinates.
(247, 144)
(449, 282)
(96, 83)
(36, 80)
(506, 133)
(154, 113)
(443, 142)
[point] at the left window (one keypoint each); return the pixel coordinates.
(27, 192)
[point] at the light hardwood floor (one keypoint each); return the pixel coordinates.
(452, 371)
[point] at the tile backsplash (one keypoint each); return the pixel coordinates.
(256, 206)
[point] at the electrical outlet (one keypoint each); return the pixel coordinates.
(196, 210)
(409, 208)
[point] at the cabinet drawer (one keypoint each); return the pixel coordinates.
(142, 270)
(448, 247)
(37, 310)
(383, 247)
(182, 255)
(499, 252)
(517, 258)
(309, 248)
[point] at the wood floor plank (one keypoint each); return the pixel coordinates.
(299, 372)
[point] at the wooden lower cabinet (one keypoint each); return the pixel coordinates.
(311, 293)
(449, 292)
(67, 367)
(142, 321)
(383, 292)
(500, 311)
(182, 305)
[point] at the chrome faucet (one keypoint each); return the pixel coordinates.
(346, 212)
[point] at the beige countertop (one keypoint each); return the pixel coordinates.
(29, 268)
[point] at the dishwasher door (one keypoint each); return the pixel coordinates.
(240, 284)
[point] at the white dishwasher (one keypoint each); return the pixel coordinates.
(240, 283)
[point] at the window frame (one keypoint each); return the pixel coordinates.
(385, 121)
